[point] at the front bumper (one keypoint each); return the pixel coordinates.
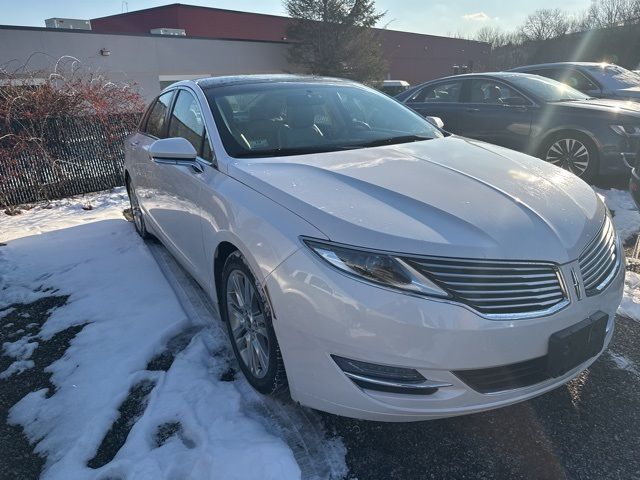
(319, 312)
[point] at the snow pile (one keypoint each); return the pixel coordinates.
(130, 312)
(630, 306)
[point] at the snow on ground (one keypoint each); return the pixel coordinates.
(129, 311)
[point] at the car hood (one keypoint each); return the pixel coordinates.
(631, 92)
(447, 197)
(606, 105)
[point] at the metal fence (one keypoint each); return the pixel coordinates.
(84, 154)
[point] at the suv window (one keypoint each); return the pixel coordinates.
(448, 92)
(156, 120)
(492, 93)
(573, 78)
(187, 122)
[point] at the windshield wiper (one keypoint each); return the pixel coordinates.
(395, 140)
(283, 152)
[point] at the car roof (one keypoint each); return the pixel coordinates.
(559, 64)
(223, 81)
(498, 75)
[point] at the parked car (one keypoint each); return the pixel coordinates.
(394, 87)
(381, 268)
(536, 115)
(601, 80)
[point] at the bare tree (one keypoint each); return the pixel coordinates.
(545, 24)
(497, 37)
(336, 38)
(612, 13)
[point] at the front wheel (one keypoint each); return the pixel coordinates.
(574, 152)
(248, 320)
(136, 212)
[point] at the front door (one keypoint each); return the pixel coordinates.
(442, 100)
(497, 113)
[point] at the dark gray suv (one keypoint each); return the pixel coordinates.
(602, 80)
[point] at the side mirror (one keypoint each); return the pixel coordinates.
(174, 151)
(437, 121)
(516, 102)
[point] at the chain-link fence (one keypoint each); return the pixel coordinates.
(81, 154)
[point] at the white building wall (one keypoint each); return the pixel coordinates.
(143, 59)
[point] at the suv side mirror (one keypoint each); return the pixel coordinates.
(174, 151)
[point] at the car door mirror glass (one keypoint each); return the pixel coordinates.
(176, 150)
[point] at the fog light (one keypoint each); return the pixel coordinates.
(385, 378)
(383, 372)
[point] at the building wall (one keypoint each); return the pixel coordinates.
(411, 56)
(143, 59)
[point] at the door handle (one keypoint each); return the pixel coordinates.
(470, 110)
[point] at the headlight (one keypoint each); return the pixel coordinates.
(627, 130)
(375, 267)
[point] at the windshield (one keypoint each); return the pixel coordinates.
(547, 89)
(263, 120)
(614, 77)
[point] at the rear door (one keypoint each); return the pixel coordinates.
(441, 99)
(497, 113)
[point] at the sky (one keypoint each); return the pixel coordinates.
(435, 17)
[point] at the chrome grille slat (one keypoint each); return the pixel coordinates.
(595, 266)
(524, 305)
(470, 292)
(503, 289)
(504, 284)
(596, 254)
(509, 298)
(599, 260)
(466, 275)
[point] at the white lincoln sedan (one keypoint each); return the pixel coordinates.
(372, 264)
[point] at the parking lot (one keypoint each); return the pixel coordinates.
(587, 429)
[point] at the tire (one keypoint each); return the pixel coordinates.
(247, 316)
(573, 151)
(136, 212)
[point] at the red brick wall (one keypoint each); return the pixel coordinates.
(411, 56)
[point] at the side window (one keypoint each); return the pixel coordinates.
(187, 122)
(156, 120)
(493, 93)
(578, 80)
(441, 93)
(573, 78)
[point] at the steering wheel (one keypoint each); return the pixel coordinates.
(360, 125)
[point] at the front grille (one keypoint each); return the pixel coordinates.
(600, 260)
(497, 288)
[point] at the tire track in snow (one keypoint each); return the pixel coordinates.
(317, 456)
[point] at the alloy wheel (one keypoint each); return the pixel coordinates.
(247, 322)
(135, 210)
(570, 154)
